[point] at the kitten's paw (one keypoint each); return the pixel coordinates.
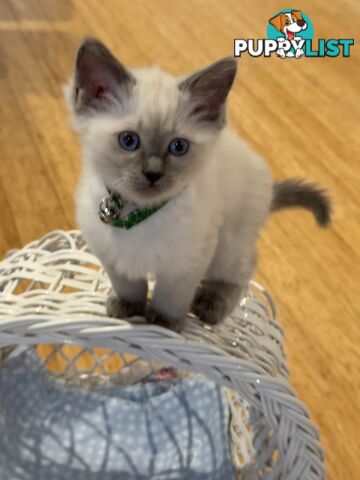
(152, 316)
(208, 306)
(120, 308)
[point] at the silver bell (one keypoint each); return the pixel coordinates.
(110, 209)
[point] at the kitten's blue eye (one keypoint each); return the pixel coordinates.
(179, 146)
(129, 141)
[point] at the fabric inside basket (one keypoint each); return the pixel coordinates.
(165, 430)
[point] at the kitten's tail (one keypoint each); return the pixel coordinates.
(298, 193)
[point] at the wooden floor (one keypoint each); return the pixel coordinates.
(303, 116)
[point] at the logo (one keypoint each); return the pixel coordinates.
(290, 29)
(290, 34)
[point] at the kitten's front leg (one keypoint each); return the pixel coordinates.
(172, 298)
(226, 280)
(128, 297)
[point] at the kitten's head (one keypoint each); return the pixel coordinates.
(147, 133)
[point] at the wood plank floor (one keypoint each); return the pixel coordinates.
(303, 116)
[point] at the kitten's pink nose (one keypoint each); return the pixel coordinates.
(153, 176)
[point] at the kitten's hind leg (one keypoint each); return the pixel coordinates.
(128, 297)
(226, 281)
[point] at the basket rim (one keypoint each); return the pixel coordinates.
(256, 375)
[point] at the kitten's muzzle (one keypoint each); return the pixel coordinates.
(153, 168)
(152, 176)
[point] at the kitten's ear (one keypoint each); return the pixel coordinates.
(99, 77)
(209, 88)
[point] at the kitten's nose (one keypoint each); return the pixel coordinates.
(153, 176)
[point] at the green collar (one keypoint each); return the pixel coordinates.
(111, 208)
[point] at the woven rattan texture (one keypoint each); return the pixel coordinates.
(54, 290)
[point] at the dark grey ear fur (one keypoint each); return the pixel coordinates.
(208, 90)
(99, 77)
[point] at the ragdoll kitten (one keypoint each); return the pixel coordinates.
(161, 146)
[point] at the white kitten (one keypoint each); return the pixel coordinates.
(153, 140)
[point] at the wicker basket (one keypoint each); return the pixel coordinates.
(52, 296)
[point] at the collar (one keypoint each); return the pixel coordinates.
(114, 211)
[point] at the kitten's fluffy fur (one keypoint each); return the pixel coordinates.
(201, 246)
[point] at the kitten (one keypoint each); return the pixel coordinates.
(154, 140)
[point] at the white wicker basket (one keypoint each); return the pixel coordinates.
(54, 291)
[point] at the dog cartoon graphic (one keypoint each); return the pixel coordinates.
(289, 24)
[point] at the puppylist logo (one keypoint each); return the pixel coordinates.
(290, 34)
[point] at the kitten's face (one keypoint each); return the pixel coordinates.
(147, 133)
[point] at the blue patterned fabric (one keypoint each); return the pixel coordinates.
(168, 430)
